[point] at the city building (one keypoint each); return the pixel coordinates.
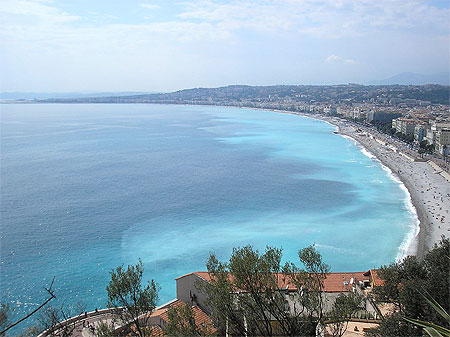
(405, 126)
(381, 116)
(420, 132)
(189, 289)
(442, 141)
(432, 133)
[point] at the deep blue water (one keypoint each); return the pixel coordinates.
(86, 188)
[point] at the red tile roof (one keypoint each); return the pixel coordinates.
(334, 282)
(377, 281)
(156, 331)
(200, 317)
(163, 310)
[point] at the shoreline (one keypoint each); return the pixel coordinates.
(426, 183)
(428, 192)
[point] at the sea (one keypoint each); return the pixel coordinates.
(89, 187)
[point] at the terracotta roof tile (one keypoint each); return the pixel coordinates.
(156, 331)
(334, 282)
(200, 317)
(377, 281)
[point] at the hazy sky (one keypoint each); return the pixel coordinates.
(163, 45)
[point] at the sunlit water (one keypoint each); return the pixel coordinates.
(86, 188)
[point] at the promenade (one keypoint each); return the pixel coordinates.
(84, 325)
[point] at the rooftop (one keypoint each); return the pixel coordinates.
(334, 282)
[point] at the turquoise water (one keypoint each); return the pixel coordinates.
(86, 188)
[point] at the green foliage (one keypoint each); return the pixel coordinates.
(394, 326)
(182, 323)
(405, 281)
(125, 293)
(430, 328)
(104, 329)
(246, 296)
(345, 306)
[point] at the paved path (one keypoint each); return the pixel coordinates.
(85, 325)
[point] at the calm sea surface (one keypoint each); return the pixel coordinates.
(85, 188)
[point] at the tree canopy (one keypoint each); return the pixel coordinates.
(132, 301)
(248, 295)
(404, 284)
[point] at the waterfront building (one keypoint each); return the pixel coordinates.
(442, 144)
(394, 124)
(381, 116)
(359, 114)
(189, 289)
(405, 126)
(330, 110)
(420, 132)
(436, 130)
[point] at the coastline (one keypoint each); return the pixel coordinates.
(427, 190)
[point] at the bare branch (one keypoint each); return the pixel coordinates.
(52, 296)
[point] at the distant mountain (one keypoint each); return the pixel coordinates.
(415, 79)
(47, 95)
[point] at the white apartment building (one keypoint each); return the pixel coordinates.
(443, 141)
(405, 126)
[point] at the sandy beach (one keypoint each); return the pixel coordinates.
(428, 186)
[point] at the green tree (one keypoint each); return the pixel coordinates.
(421, 151)
(344, 308)
(403, 284)
(249, 296)
(182, 323)
(310, 280)
(132, 301)
(394, 326)
(433, 330)
(106, 329)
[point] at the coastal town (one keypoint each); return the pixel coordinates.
(415, 115)
(232, 168)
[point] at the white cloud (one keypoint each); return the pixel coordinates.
(37, 35)
(337, 59)
(16, 11)
(149, 6)
(324, 19)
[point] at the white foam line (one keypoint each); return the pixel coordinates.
(335, 126)
(409, 244)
